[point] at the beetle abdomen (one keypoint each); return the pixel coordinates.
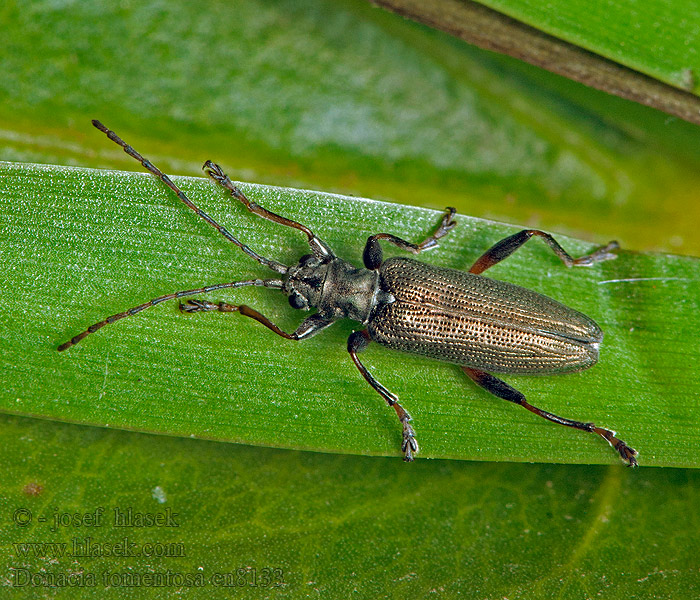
(482, 323)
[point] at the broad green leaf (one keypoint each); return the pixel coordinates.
(492, 30)
(340, 526)
(86, 244)
(655, 37)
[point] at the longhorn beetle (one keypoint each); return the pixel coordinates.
(480, 324)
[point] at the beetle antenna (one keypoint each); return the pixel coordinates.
(149, 166)
(268, 283)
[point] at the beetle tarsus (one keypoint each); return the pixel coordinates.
(193, 306)
(599, 255)
(447, 224)
(410, 445)
(214, 171)
(627, 453)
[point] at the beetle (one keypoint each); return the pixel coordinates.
(483, 325)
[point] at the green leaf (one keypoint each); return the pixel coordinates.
(86, 244)
(653, 37)
(339, 526)
(577, 42)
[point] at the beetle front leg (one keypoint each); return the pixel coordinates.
(507, 246)
(503, 390)
(134, 310)
(357, 342)
(372, 255)
(320, 249)
(308, 328)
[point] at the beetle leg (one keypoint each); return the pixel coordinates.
(308, 328)
(357, 342)
(372, 254)
(149, 166)
(507, 246)
(503, 390)
(320, 249)
(269, 283)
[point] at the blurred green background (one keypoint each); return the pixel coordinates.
(341, 96)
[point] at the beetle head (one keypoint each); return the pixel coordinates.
(304, 282)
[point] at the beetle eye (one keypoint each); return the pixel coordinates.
(297, 301)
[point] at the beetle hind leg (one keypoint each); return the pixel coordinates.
(507, 246)
(357, 342)
(503, 390)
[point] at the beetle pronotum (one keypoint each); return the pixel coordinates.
(481, 324)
